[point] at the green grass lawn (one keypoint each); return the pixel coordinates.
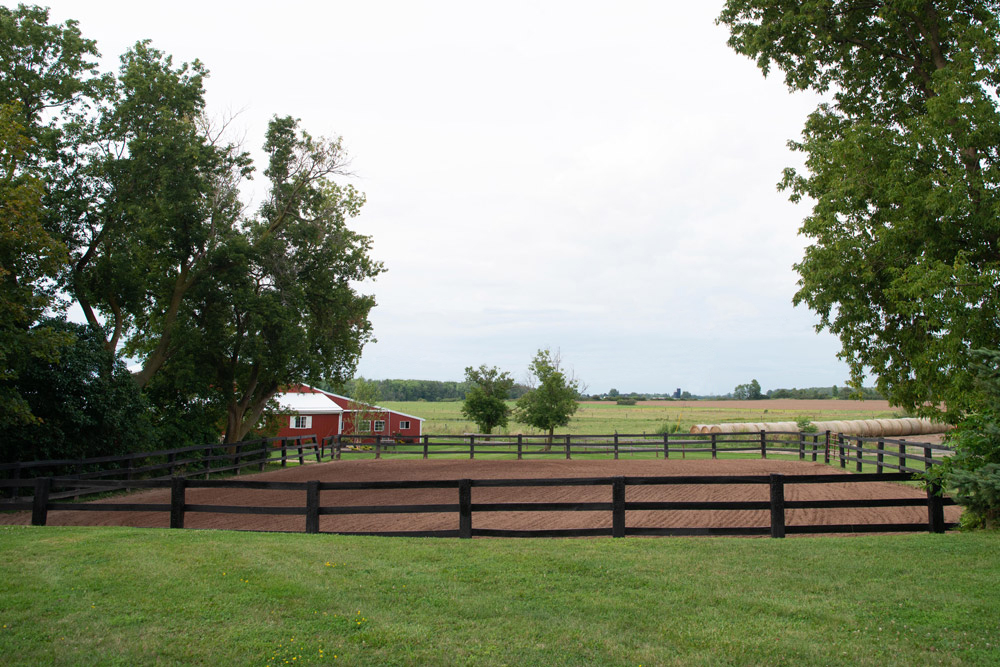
(445, 418)
(143, 596)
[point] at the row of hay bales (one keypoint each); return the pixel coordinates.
(864, 427)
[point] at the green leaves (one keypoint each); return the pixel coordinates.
(486, 401)
(551, 403)
(903, 169)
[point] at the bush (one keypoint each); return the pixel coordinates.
(972, 474)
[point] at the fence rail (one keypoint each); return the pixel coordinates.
(216, 458)
(42, 503)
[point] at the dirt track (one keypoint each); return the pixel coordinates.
(456, 469)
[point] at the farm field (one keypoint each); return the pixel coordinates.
(445, 418)
(126, 596)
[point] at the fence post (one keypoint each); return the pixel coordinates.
(171, 457)
(465, 508)
(312, 506)
(40, 503)
(927, 458)
(826, 450)
(802, 446)
(840, 448)
(618, 507)
(857, 465)
(815, 446)
(472, 446)
(935, 508)
(519, 446)
(880, 447)
(302, 458)
(284, 452)
(425, 446)
(666, 446)
(616, 446)
(715, 446)
(567, 446)
(177, 488)
(902, 457)
(763, 444)
(378, 449)
(777, 505)
(318, 450)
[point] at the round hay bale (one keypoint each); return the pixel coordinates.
(695, 429)
(909, 426)
(715, 428)
(887, 427)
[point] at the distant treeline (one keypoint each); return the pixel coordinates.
(418, 390)
(867, 393)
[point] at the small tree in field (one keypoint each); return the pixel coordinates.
(553, 401)
(486, 401)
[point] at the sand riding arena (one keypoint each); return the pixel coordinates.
(643, 506)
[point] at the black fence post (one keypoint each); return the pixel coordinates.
(826, 452)
(425, 446)
(880, 447)
(902, 457)
(777, 505)
(472, 447)
(840, 448)
(302, 457)
(284, 452)
(763, 444)
(715, 446)
(318, 449)
(519, 443)
(312, 506)
(666, 446)
(177, 489)
(618, 507)
(857, 466)
(40, 503)
(935, 508)
(927, 458)
(378, 449)
(802, 446)
(465, 508)
(815, 446)
(616, 446)
(567, 445)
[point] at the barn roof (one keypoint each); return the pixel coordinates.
(310, 404)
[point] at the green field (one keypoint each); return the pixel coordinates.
(445, 418)
(120, 596)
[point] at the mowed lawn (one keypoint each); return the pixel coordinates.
(123, 596)
(605, 417)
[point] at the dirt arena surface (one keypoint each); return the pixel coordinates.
(393, 470)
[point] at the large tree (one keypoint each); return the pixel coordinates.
(552, 401)
(278, 303)
(902, 164)
(486, 399)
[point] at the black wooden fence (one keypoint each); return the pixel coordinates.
(879, 452)
(41, 504)
(116, 473)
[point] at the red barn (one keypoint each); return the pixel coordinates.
(321, 413)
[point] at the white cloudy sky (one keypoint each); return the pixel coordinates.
(597, 177)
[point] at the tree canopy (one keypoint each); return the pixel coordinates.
(902, 165)
(552, 402)
(123, 196)
(486, 400)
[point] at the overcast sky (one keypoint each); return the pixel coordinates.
(597, 177)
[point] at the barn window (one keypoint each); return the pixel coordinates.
(300, 421)
(404, 426)
(378, 426)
